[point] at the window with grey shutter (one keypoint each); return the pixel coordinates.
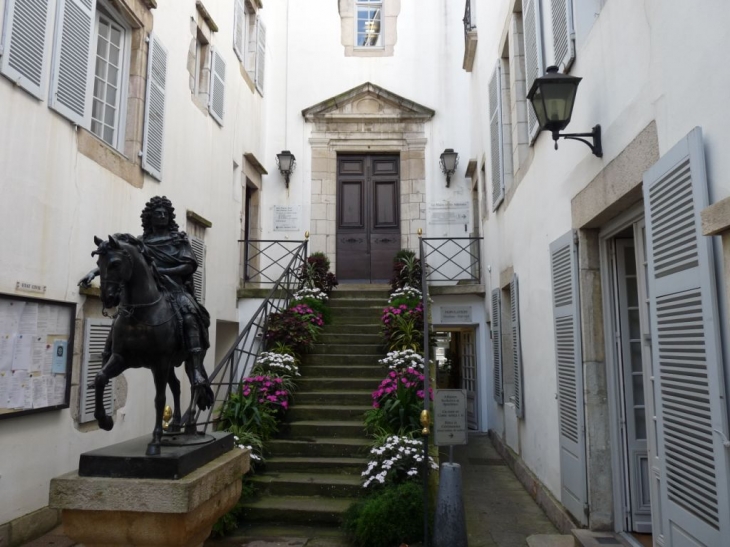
(72, 70)
(686, 350)
(569, 361)
(516, 347)
(260, 54)
(495, 137)
(239, 23)
(498, 377)
(154, 108)
(563, 34)
(26, 32)
(198, 246)
(217, 91)
(96, 332)
(532, 29)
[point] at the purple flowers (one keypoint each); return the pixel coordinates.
(266, 389)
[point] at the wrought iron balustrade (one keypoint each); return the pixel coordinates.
(468, 25)
(449, 260)
(264, 260)
(239, 360)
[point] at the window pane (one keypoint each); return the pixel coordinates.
(111, 95)
(113, 74)
(101, 47)
(638, 389)
(104, 28)
(97, 109)
(100, 69)
(109, 116)
(116, 36)
(114, 55)
(98, 89)
(96, 128)
(640, 423)
(109, 135)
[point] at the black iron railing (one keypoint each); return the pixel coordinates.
(264, 261)
(468, 25)
(240, 359)
(450, 260)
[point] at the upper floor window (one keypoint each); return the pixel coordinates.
(369, 23)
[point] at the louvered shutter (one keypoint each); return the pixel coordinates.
(72, 73)
(497, 348)
(260, 54)
(516, 347)
(154, 108)
(96, 332)
(563, 34)
(198, 246)
(23, 51)
(564, 270)
(217, 92)
(495, 137)
(686, 351)
(532, 31)
(239, 21)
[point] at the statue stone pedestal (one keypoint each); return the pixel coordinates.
(104, 511)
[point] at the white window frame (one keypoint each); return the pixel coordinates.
(370, 4)
(123, 90)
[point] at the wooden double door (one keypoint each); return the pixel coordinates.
(368, 217)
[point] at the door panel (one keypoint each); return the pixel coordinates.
(469, 377)
(368, 220)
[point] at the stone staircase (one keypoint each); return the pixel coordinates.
(313, 466)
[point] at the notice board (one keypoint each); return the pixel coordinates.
(36, 348)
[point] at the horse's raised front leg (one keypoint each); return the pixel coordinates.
(111, 369)
(174, 384)
(160, 375)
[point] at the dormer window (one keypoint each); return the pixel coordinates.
(369, 23)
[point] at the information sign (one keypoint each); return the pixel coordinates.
(287, 218)
(449, 417)
(456, 314)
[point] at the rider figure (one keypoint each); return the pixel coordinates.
(173, 257)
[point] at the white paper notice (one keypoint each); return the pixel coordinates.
(22, 352)
(43, 315)
(4, 391)
(16, 394)
(63, 321)
(6, 352)
(59, 389)
(39, 348)
(39, 392)
(5, 316)
(47, 362)
(29, 319)
(13, 312)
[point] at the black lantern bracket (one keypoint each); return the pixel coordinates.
(595, 135)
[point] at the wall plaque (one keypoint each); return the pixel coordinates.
(456, 314)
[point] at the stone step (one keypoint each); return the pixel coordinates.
(282, 533)
(357, 302)
(370, 314)
(551, 540)
(338, 397)
(329, 485)
(351, 338)
(376, 371)
(353, 328)
(309, 385)
(299, 413)
(360, 290)
(342, 359)
(297, 509)
(319, 447)
(347, 349)
(322, 428)
(315, 464)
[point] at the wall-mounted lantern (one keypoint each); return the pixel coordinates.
(286, 162)
(448, 162)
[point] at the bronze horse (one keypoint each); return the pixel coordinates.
(145, 333)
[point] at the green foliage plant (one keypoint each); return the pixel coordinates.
(242, 413)
(406, 270)
(315, 273)
(319, 306)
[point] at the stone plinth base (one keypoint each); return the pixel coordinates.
(99, 511)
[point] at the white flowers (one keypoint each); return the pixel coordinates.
(306, 292)
(242, 446)
(407, 292)
(402, 360)
(279, 363)
(396, 459)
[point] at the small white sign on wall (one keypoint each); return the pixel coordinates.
(449, 417)
(448, 212)
(456, 314)
(287, 218)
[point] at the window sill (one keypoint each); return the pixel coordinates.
(110, 159)
(470, 50)
(247, 78)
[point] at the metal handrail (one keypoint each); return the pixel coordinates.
(240, 359)
(468, 26)
(274, 254)
(452, 259)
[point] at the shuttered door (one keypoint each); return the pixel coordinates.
(198, 246)
(239, 20)
(532, 26)
(516, 346)
(96, 332)
(495, 138)
(497, 348)
(689, 396)
(217, 91)
(26, 33)
(72, 60)
(564, 269)
(563, 34)
(260, 55)
(154, 113)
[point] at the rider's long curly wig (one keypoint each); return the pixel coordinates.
(150, 206)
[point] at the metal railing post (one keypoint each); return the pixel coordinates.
(425, 416)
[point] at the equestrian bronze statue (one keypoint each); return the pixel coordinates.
(158, 323)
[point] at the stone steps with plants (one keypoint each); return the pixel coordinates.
(314, 465)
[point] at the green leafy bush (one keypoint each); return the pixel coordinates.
(242, 414)
(319, 306)
(315, 273)
(406, 270)
(387, 518)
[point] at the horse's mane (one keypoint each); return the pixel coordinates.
(139, 245)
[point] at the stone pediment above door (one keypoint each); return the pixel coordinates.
(368, 103)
